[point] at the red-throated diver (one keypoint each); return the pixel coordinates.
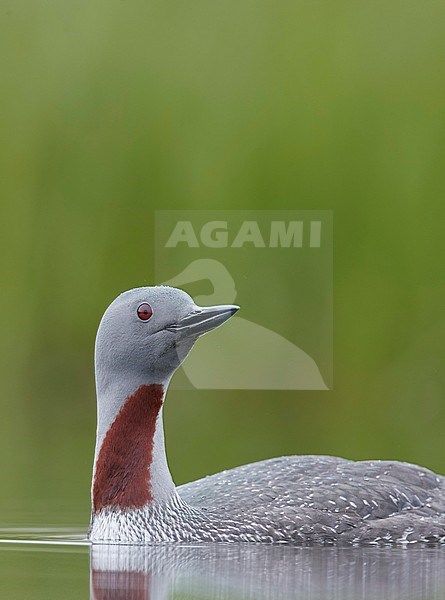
(143, 337)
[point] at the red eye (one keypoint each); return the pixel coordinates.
(144, 312)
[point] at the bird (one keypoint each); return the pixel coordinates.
(281, 364)
(143, 337)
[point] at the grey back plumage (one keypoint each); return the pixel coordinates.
(322, 499)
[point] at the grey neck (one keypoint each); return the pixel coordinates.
(111, 396)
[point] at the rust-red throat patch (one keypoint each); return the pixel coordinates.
(122, 477)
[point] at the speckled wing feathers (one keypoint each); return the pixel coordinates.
(322, 499)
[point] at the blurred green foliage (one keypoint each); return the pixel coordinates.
(112, 110)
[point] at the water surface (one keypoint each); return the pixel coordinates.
(60, 563)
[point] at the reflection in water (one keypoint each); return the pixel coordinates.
(226, 571)
(266, 572)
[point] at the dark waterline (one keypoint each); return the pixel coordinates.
(226, 571)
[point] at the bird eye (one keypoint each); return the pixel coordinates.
(144, 311)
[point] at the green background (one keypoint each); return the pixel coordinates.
(111, 110)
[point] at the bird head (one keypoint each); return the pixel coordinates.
(147, 332)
